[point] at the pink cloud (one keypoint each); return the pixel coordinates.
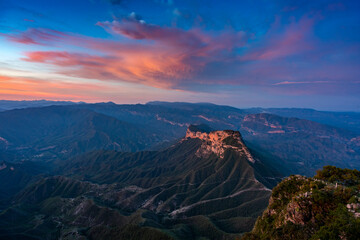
(296, 38)
(166, 57)
(193, 42)
(173, 58)
(169, 57)
(38, 36)
(139, 30)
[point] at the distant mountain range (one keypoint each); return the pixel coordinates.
(59, 131)
(346, 120)
(299, 146)
(302, 146)
(9, 105)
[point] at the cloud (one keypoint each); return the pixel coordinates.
(31, 88)
(303, 82)
(295, 38)
(163, 57)
(138, 29)
(306, 88)
(288, 56)
(38, 36)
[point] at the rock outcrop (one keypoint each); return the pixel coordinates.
(218, 142)
(324, 207)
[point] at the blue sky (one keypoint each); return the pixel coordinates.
(239, 53)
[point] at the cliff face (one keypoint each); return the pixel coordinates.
(218, 142)
(324, 207)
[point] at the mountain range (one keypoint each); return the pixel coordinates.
(300, 146)
(9, 105)
(158, 170)
(206, 185)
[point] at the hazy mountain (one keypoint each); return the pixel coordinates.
(294, 145)
(171, 119)
(302, 146)
(61, 131)
(297, 145)
(207, 185)
(8, 104)
(346, 120)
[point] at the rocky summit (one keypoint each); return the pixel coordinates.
(218, 141)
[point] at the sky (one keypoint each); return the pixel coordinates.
(248, 53)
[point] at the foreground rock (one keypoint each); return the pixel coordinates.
(324, 207)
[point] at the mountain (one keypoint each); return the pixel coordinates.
(345, 120)
(193, 167)
(294, 145)
(15, 176)
(302, 146)
(9, 105)
(326, 206)
(171, 120)
(76, 170)
(60, 131)
(207, 185)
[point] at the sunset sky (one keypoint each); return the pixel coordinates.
(248, 53)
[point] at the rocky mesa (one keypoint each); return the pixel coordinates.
(218, 141)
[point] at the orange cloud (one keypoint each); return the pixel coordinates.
(29, 88)
(173, 58)
(161, 57)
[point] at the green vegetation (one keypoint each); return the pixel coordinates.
(337, 175)
(324, 207)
